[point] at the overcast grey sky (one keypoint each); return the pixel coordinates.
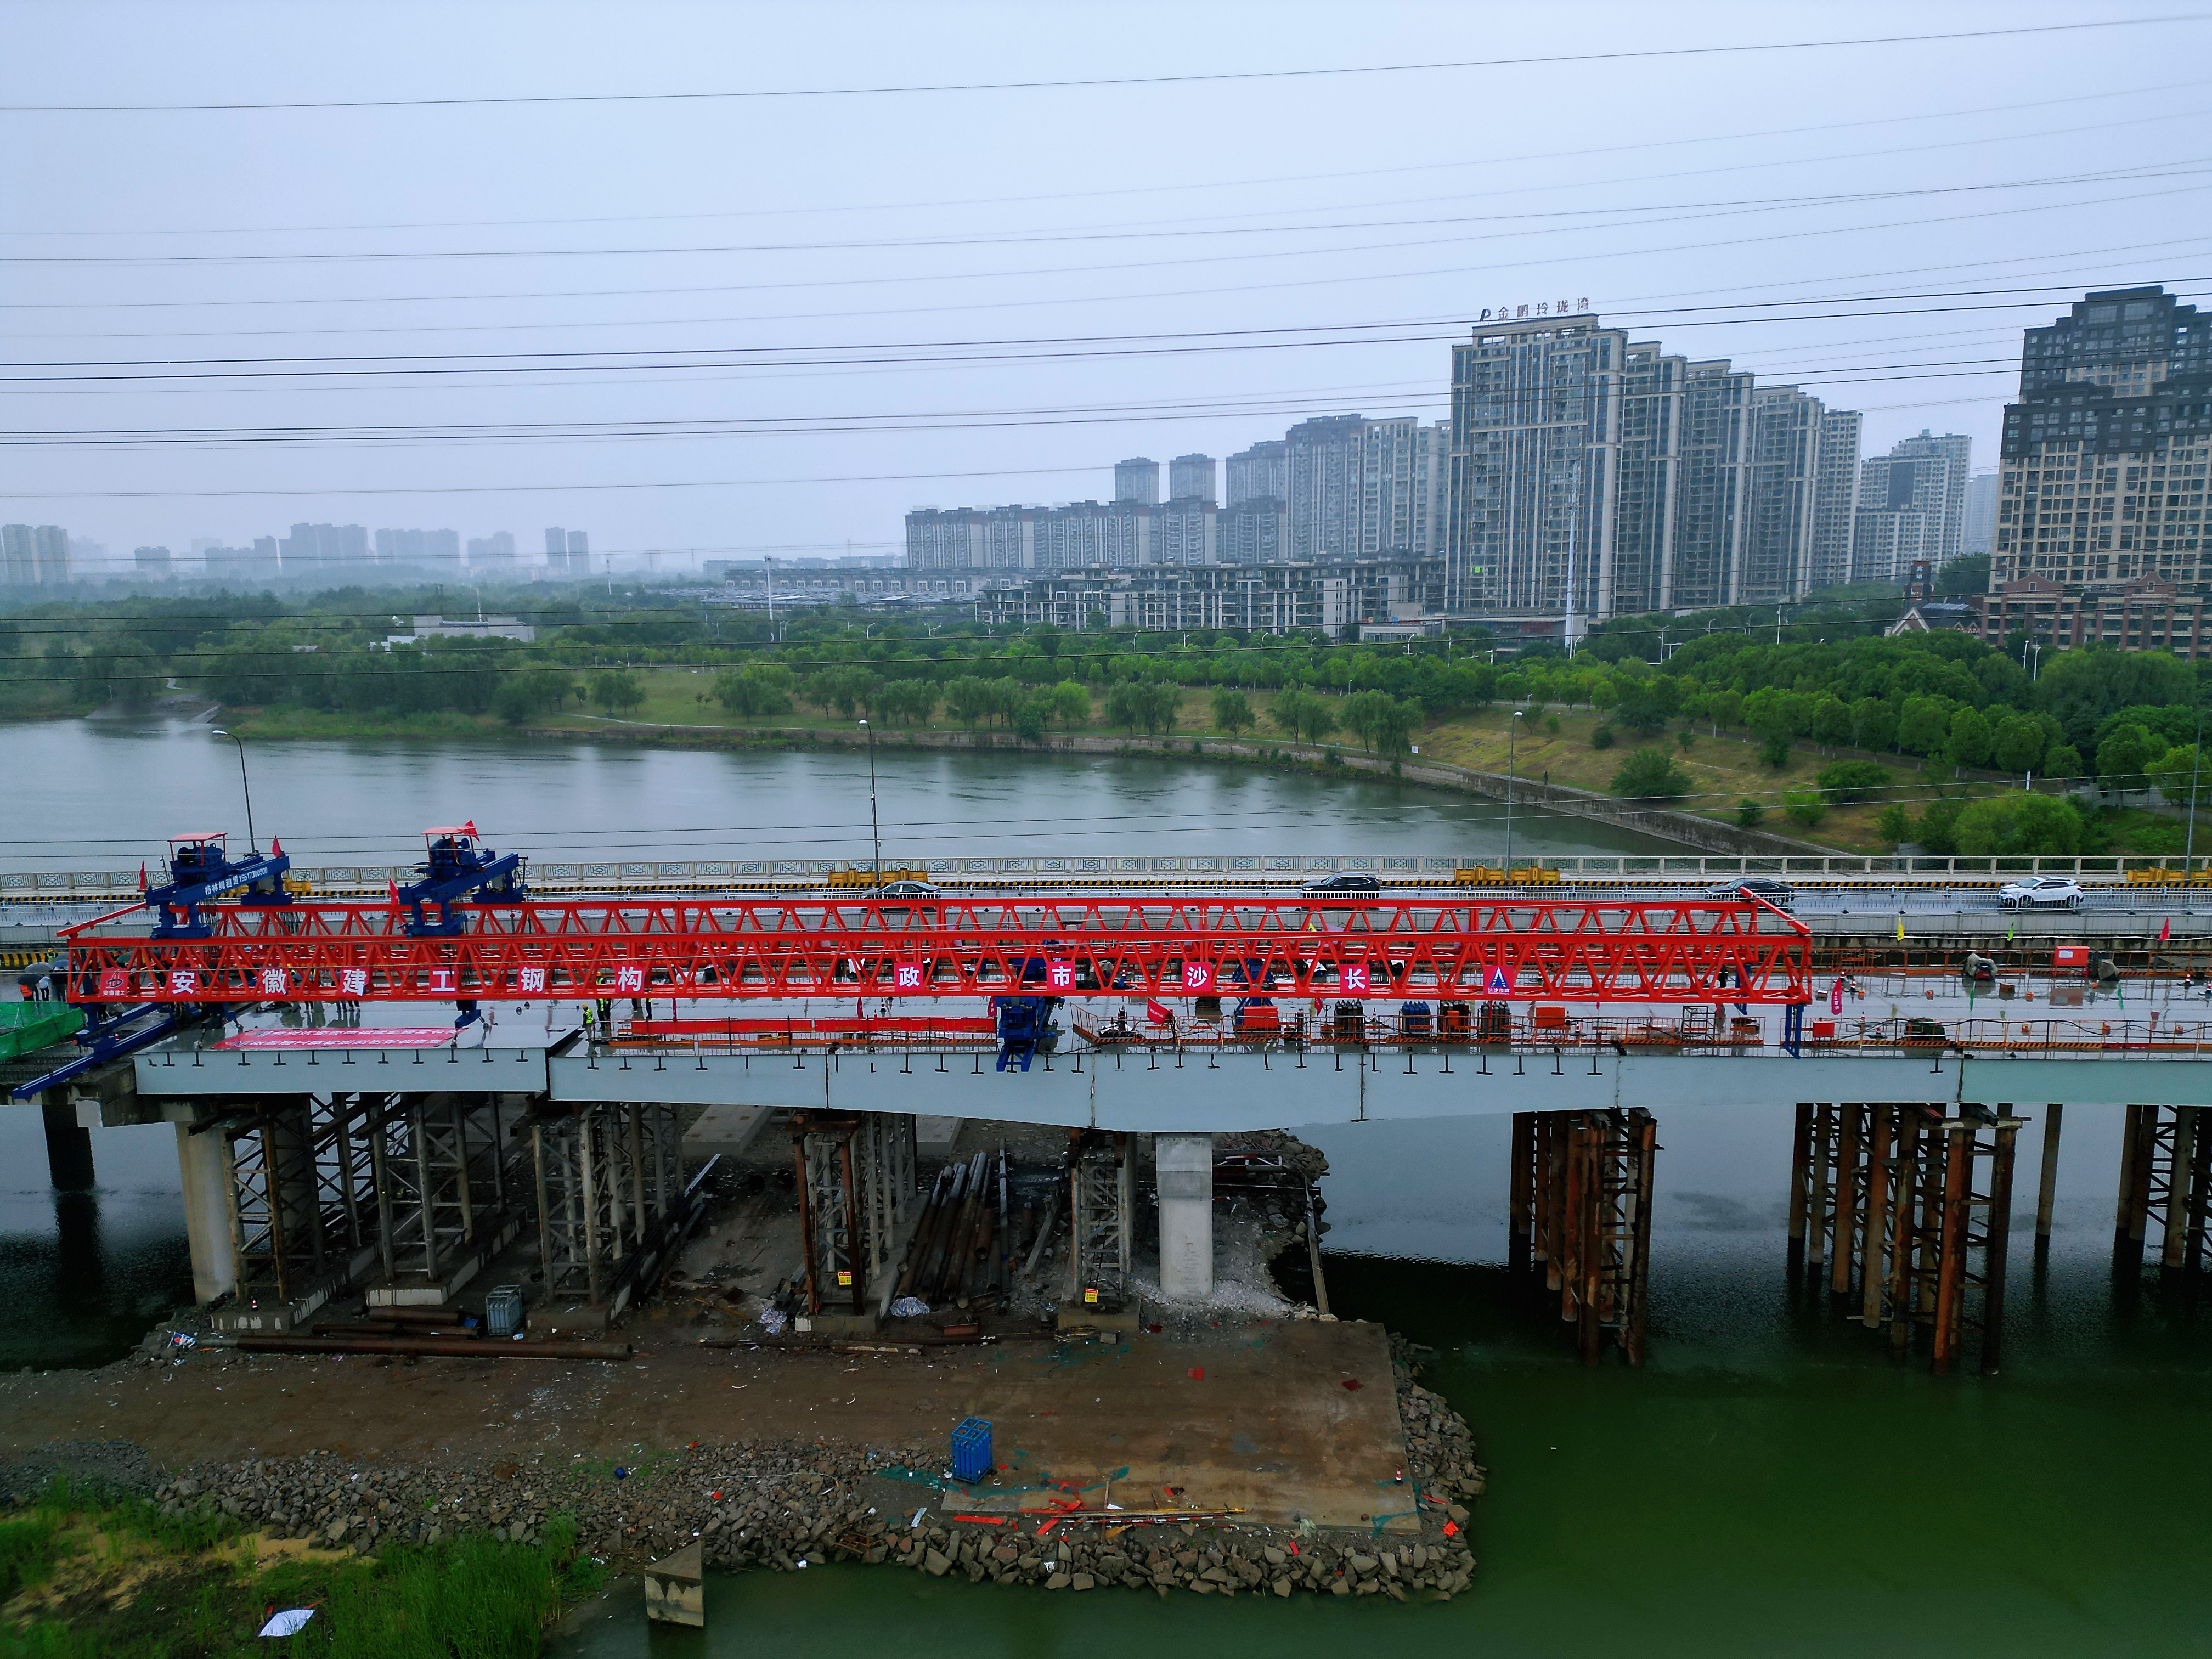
(848, 232)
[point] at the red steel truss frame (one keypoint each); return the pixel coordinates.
(1579, 950)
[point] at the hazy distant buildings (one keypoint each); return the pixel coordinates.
(31, 554)
(1138, 480)
(492, 552)
(152, 561)
(435, 552)
(260, 562)
(324, 550)
(1190, 477)
(1261, 470)
(568, 553)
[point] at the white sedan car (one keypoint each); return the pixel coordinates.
(2041, 892)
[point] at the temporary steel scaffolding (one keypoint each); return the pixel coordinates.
(856, 1187)
(609, 1179)
(1906, 1210)
(442, 1172)
(1102, 1188)
(1583, 949)
(2166, 1182)
(1582, 1207)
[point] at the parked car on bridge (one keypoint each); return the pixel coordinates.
(902, 889)
(2041, 892)
(1343, 883)
(1779, 894)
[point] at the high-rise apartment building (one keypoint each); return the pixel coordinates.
(1536, 424)
(2102, 470)
(1835, 506)
(324, 549)
(1594, 476)
(1364, 489)
(1981, 514)
(150, 561)
(260, 562)
(33, 554)
(1190, 477)
(1137, 480)
(1254, 530)
(496, 549)
(1259, 472)
(1785, 471)
(1904, 512)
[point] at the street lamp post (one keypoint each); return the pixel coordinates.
(252, 846)
(875, 828)
(1512, 733)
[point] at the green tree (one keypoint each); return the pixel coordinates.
(1968, 742)
(1601, 736)
(1642, 714)
(1034, 718)
(1650, 775)
(762, 688)
(1893, 823)
(524, 696)
(2179, 772)
(2018, 825)
(1147, 706)
(2020, 744)
(1749, 813)
(1804, 805)
(1874, 724)
(1775, 752)
(616, 690)
(1936, 829)
(1831, 722)
(1847, 782)
(1724, 708)
(970, 699)
(2121, 757)
(1071, 704)
(1304, 715)
(2063, 761)
(1232, 710)
(1383, 724)
(1925, 724)
(910, 702)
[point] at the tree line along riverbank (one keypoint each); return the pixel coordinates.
(1820, 729)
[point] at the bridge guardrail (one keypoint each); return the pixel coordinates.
(1233, 869)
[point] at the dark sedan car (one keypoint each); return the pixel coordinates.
(1345, 884)
(1775, 893)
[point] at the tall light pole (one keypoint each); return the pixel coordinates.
(1512, 733)
(2196, 766)
(874, 828)
(252, 846)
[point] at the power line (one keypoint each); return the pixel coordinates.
(1210, 228)
(1059, 197)
(1074, 84)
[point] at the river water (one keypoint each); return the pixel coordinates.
(1770, 1482)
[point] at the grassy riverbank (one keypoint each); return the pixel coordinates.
(1556, 745)
(122, 1580)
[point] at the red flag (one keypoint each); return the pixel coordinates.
(142, 875)
(1158, 1014)
(2166, 930)
(275, 848)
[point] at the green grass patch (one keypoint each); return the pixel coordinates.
(122, 1581)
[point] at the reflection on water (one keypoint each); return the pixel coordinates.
(84, 1275)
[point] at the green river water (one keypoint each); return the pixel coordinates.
(1770, 1482)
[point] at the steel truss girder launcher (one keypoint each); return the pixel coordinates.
(1580, 949)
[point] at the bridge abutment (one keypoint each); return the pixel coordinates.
(1184, 1164)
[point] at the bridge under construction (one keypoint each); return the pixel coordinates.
(391, 1092)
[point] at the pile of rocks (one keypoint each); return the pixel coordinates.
(1208, 1560)
(785, 1506)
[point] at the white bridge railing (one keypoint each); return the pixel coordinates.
(1230, 869)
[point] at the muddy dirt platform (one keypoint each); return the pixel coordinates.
(1259, 1415)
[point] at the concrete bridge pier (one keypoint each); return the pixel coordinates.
(204, 1169)
(68, 1146)
(1184, 1164)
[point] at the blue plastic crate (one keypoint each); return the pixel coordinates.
(971, 1450)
